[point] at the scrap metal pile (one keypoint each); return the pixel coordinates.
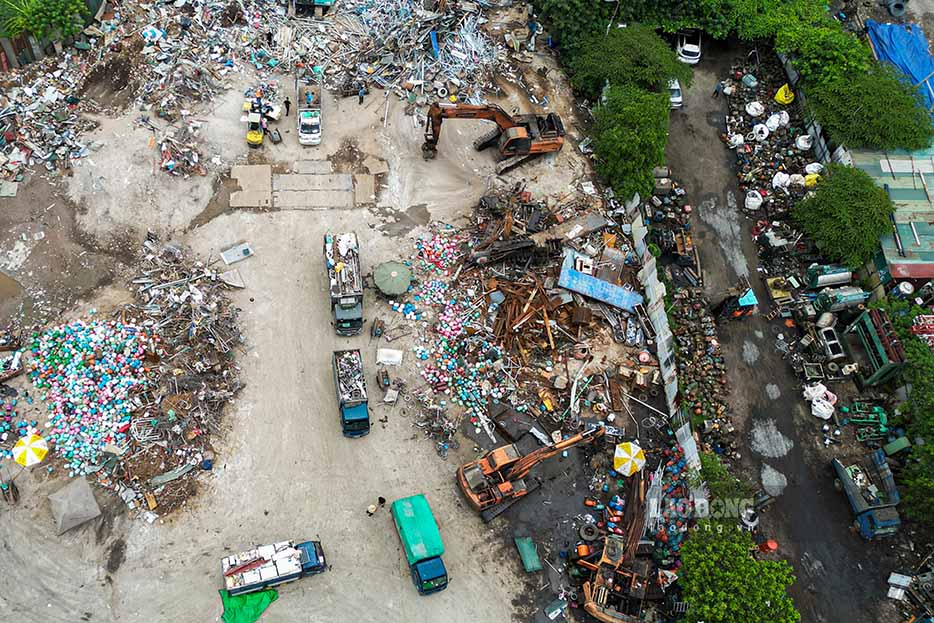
(397, 45)
(533, 311)
(166, 58)
(774, 160)
(133, 400)
(705, 393)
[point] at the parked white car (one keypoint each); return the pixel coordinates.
(675, 96)
(688, 46)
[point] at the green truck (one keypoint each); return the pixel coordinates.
(421, 542)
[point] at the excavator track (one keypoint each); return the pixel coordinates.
(511, 163)
(489, 514)
(486, 140)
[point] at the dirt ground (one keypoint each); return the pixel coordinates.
(283, 469)
(839, 577)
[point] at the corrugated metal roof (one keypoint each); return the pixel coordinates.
(910, 181)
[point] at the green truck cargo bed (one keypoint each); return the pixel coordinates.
(417, 528)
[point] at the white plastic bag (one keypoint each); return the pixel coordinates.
(814, 391)
(804, 142)
(736, 140)
(760, 132)
(822, 409)
(780, 180)
(753, 200)
(755, 109)
(815, 168)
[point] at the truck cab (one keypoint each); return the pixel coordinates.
(430, 576)
(309, 127)
(421, 542)
(355, 420)
(312, 557)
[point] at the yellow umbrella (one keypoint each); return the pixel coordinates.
(30, 450)
(628, 458)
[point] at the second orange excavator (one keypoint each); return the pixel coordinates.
(518, 138)
(495, 481)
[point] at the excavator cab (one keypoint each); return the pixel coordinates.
(515, 141)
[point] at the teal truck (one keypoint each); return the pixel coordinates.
(870, 490)
(421, 541)
(351, 392)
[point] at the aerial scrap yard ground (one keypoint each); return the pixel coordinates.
(70, 247)
(231, 437)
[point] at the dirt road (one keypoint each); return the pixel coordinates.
(839, 577)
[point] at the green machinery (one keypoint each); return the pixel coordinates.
(871, 420)
(884, 352)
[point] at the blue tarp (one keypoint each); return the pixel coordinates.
(588, 285)
(906, 47)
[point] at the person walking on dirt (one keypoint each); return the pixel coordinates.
(288, 105)
(718, 89)
(360, 95)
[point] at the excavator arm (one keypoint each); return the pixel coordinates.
(522, 467)
(437, 113)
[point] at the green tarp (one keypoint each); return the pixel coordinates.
(246, 608)
(530, 560)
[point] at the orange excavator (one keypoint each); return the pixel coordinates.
(518, 138)
(496, 481)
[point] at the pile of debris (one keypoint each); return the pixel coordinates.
(774, 163)
(133, 401)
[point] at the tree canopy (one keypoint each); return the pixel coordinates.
(722, 582)
(630, 132)
(846, 215)
(632, 55)
(916, 480)
(875, 109)
(42, 18)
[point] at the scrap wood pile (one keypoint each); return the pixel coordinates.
(133, 400)
(774, 158)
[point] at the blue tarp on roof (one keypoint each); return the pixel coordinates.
(906, 47)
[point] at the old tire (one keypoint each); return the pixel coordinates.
(588, 532)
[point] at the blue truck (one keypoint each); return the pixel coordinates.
(870, 489)
(421, 541)
(269, 565)
(351, 392)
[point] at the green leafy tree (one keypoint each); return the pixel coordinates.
(823, 51)
(571, 21)
(875, 109)
(42, 18)
(722, 582)
(763, 19)
(721, 484)
(632, 55)
(846, 215)
(916, 481)
(630, 133)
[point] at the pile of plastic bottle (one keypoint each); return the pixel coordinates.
(438, 253)
(12, 426)
(463, 368)
(676, 506)
(86, 372)
(432, 292)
